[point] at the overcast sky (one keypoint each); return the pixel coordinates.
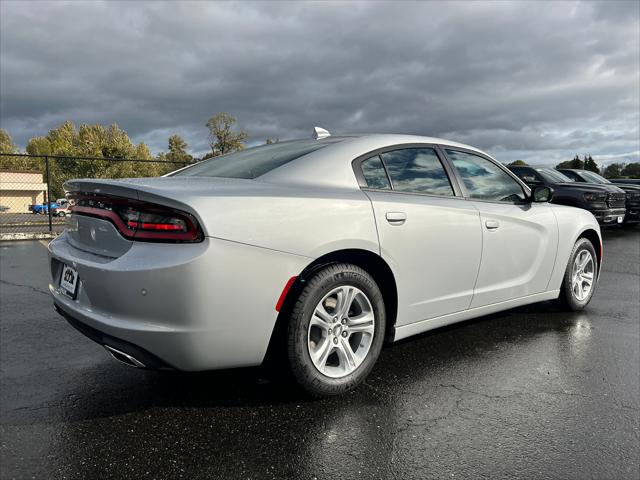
(534, 81)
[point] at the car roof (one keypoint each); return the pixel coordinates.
(331, 166)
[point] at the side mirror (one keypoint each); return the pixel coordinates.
(541, 194)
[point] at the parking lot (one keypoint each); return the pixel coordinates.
(528, 393)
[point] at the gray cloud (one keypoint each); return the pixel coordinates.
(538, 81)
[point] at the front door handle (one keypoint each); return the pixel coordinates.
(492, 224)
(396, 218)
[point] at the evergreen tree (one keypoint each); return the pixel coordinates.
(178, 150)
(590, 164)
(576, 163)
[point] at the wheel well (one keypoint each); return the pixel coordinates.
(368, 261)
(593, 237)
(372, 264)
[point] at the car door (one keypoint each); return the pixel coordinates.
(519, 238)
(429, 235)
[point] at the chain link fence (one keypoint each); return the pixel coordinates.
(32, 203)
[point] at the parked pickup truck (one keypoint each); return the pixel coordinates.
(631, 191)
(606, 202)
(633, 181)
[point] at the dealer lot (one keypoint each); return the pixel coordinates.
(528, 393)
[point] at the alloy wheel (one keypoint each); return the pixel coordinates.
(582, 275)
(341, 331)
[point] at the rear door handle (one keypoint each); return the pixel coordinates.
(396, 218)
(492, 224)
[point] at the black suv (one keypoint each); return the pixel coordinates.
(606, 202)
(631, 191)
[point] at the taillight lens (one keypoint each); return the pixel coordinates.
(136, 220)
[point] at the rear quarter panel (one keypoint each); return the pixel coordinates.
(301, 221)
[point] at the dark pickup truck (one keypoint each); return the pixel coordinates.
(606, 202)
(631, 191)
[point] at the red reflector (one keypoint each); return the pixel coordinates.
(285, 290)
(154, 226)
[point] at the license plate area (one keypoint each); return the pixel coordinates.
(69, 280)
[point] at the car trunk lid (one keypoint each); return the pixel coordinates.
(103, 236)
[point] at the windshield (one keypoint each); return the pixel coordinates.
(254, 162)
(593, 177)
(553, 176)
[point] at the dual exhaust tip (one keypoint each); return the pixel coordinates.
(124, 357)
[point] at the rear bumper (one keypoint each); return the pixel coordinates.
(185, 306)
(609, 216)
(142, 358)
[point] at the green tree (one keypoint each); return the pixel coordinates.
(14, 163)
(518, 163)
(631, 170)
(178, 150)
(91, 141)
(613, 170)
(222, 138)
(576, 163)
(590, 164)
(6, 142)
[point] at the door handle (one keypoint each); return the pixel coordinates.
(396, 218)
(492, 224)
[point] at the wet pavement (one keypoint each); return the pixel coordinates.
(528, 393)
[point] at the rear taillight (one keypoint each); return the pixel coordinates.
(136, 220)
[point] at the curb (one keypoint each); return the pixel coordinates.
(27, 236)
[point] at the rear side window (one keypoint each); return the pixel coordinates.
(256, 161)
(417, 170)
(484, 180)
(374, 173)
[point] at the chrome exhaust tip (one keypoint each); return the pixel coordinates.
(124, 357)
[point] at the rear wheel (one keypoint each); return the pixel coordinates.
(580, 277)
(335, 330)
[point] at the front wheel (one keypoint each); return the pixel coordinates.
(335, 330)
(580, 277)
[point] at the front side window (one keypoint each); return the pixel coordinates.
(374, 173)
(527, 175)
(417, 170)
(593, 177)
(484, 180)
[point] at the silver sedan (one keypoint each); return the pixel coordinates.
(316, 250)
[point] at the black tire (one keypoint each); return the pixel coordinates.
(567, 299)
(323, 282)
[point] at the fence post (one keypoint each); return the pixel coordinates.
(46, 164)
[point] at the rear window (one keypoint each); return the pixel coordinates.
(256, 161)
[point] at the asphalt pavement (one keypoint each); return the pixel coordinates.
(528, 393)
